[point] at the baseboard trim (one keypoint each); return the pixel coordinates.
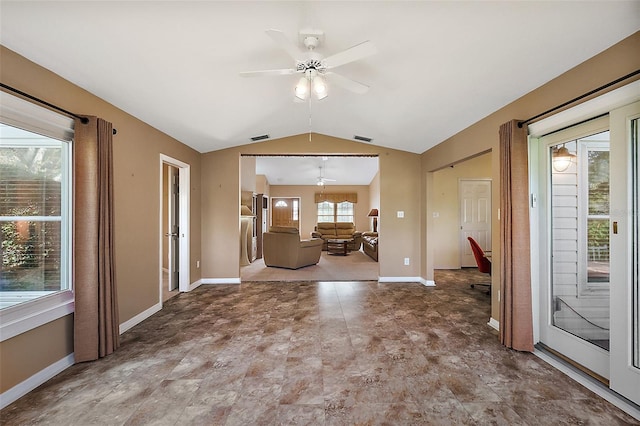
(23, 388)
(139, 318)
(494, 323)
(195, 285)
(400, 280)
(427, 283)
(220, 280)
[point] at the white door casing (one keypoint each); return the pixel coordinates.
(184, 171)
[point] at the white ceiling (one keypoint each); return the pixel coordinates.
(306, 170)
(441, 65)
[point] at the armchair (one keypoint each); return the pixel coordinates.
(283, 248)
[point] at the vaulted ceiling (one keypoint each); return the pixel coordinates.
(440, 66)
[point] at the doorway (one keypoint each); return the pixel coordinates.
(174, 227)
(584, 213)
(285, 212)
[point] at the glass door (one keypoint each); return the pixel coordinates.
(577, 168)
(589, 244)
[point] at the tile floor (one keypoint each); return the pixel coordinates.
(316, 353)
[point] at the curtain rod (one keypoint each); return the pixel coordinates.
(84, 120)
(528, 120)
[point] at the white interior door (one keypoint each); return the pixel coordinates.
(475, 217)
(174, 227)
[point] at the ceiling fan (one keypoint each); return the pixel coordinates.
(322, 180)
(314, 66)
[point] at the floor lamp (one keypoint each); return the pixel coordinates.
(374, 214)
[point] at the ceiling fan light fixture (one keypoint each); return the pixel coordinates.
(302, 88)
(320, 87)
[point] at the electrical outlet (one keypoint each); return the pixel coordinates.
(406, 261)
(400, 214)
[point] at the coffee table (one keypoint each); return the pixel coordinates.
(338, 246)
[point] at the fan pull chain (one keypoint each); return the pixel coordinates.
(309, 118)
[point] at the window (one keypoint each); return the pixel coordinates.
(593, 214)
(335, 212)
(35, 216)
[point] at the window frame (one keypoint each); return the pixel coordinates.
(586, 288)
(22, 317)
(335, 212)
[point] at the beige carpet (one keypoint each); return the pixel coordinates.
(356, 266)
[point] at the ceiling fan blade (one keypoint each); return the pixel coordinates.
(328, 180)
(357, 52)
(347, 83)
(285, 43)
(263, 73)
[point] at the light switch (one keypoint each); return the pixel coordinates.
(400, 214)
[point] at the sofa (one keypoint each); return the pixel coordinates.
(370, 244)
(338, 230)
(283, 248)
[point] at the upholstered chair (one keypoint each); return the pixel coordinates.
(283, 248)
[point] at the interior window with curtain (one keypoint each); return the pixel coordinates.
(336, 212)
(326, 211)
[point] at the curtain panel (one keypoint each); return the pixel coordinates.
(96, 322)
(351, 197)
(516, 320)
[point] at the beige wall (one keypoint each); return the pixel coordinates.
(136, 149)
(615, 62)
(446, 204)
(27, 353)
(262, 185)
(399, 190)
(308, 210)
(248, 179)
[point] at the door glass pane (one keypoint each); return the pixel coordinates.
(597, 157)
(579, 176)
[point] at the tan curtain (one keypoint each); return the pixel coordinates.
(516, 322)
(96, 323)
(352, 197)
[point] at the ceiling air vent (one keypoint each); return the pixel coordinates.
(362, 138)
(259, 138)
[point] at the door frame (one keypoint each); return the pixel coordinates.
(602, 105)
(184, 177)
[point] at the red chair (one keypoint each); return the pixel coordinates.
(484, 264)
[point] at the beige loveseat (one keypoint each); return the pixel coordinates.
(282, 247)
(338, 230)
